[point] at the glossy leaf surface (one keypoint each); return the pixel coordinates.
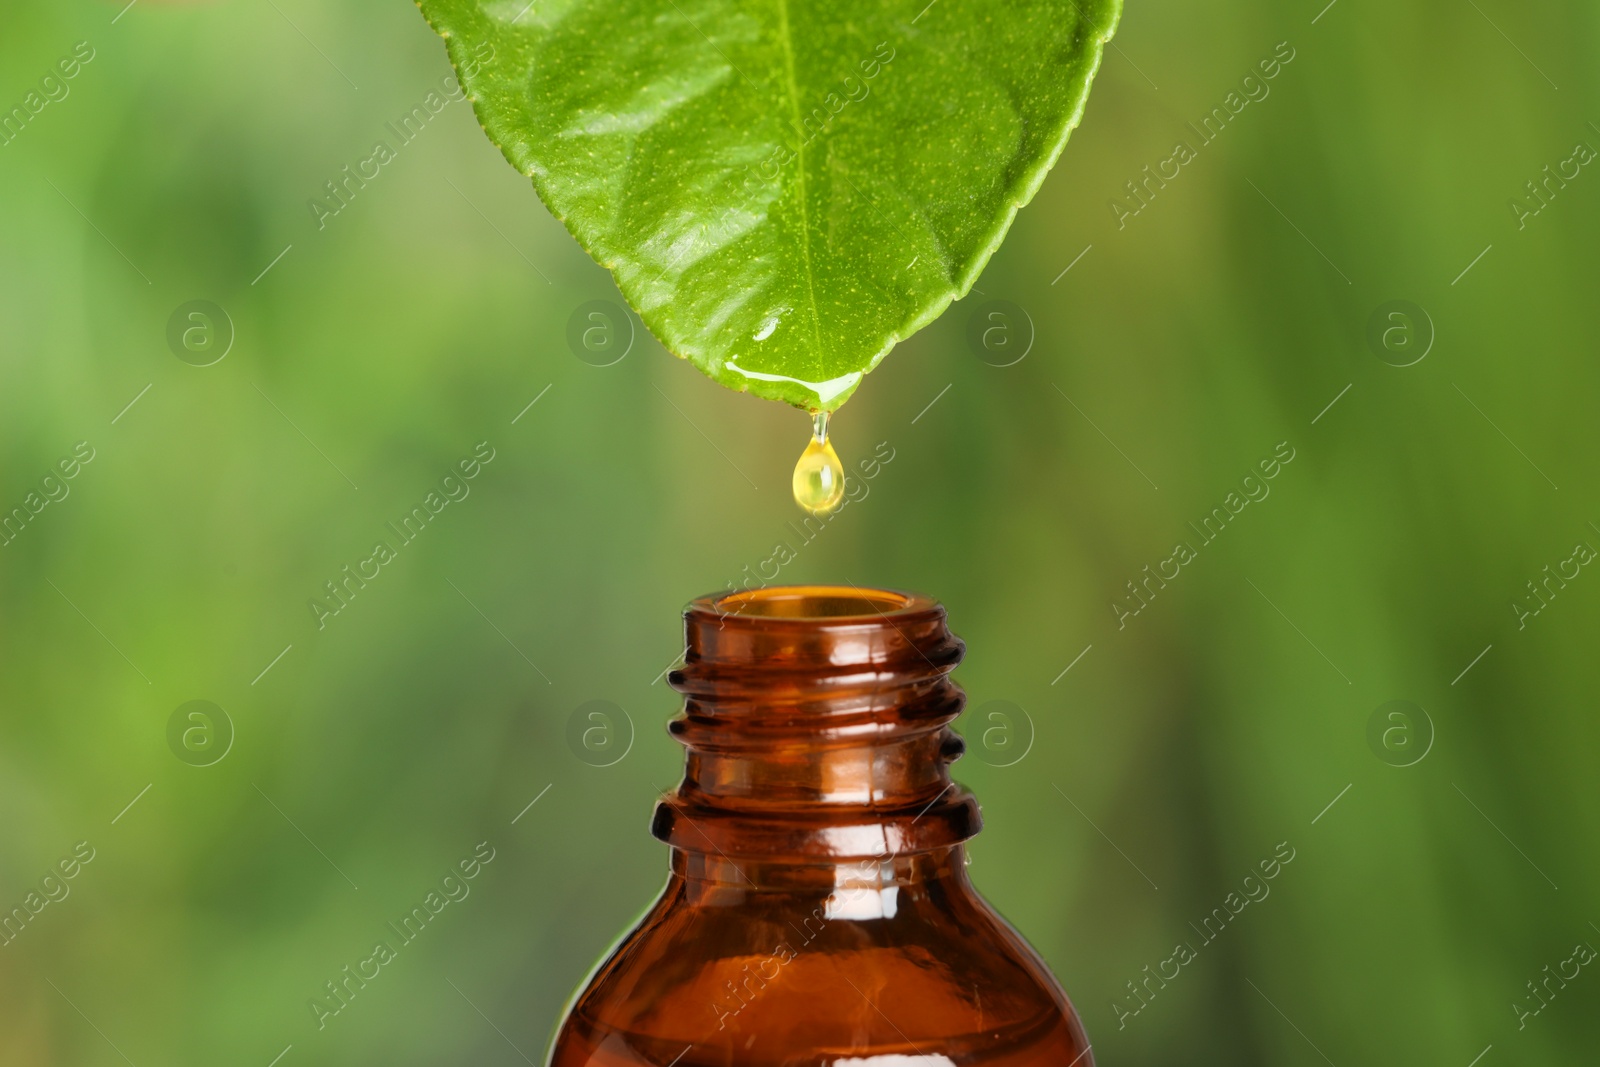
(783, 190)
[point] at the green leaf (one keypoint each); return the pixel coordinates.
(783, 189)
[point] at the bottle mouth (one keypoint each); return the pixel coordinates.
(814, 602)
(821, 638)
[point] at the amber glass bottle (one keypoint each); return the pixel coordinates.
(818, 911)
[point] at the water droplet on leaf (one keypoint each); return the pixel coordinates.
(819, 476)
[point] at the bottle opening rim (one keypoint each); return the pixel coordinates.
(824, 603)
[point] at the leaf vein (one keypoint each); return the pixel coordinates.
(800, 167)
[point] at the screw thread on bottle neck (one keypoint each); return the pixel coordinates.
(816, 722)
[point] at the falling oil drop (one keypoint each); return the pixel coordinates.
(819, 476)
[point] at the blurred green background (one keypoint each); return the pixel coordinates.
(1179, 750)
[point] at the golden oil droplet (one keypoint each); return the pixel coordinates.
(819, 476)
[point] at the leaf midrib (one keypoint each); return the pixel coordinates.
(800, 163)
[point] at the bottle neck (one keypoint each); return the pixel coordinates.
(847, 889)
(816, 723)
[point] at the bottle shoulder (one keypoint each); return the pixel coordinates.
(904, 967)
